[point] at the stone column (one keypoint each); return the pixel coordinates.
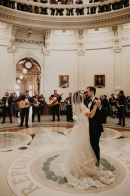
(46, 52)
(11, 66)
(81, 61)
(117, 61)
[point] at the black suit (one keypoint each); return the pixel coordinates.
(69, 112)
(36, 109)
(24, 112)
(121, 109)
(7, 108)
(56, 107)
(95, 129)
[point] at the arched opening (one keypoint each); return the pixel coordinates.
(28, 76)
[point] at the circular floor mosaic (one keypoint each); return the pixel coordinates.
(13, 140)
(40, 170)
(108, 134)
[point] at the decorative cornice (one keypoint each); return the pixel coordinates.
(115, 30)
(64, 22)
(81, 52)
(47, 34)
(46, 51)
(11, 49)
(14, 31)
(80, 34)
(117, 46)
(28, 41)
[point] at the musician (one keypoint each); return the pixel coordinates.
(69, 113)
(7, 106)
(56, 107)
(15, 108)
(24, 111)
(121, 105)
(36, 107)
(42, 103)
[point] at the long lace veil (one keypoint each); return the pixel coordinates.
(78, 103)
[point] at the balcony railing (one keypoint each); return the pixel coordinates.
(65, 10)
(64, 16)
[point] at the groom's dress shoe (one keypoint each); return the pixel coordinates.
(20, 126)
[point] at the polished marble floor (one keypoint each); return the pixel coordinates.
(22, 149)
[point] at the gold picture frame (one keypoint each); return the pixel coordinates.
(63, 81)
(99, 81)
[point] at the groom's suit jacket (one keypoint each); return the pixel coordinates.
(95, 123)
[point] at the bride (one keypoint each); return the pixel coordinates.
(81, 170)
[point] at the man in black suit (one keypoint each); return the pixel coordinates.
(56, 106)
(7, 106)
(24, 111)
(36, 107)
(121, 108)
(95, 123)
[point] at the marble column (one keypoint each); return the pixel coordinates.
(117, 60)
(81, 61)
(46, 53)
(11, 64)
(118, 68)
(11, 69)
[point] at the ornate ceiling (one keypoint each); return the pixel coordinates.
(31, 20)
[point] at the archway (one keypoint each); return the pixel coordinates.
(28, 76)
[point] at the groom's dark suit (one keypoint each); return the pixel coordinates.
(95, 129)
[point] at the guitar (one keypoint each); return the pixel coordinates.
(23, 104)
(1, 103)
(52, 101)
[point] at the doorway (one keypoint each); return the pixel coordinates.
(28, 76)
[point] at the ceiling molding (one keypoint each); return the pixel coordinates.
(31, 20)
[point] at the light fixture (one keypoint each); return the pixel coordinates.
(24, 70)
(18, 81)
(21, 77)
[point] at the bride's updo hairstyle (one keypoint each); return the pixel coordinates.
(77, 97)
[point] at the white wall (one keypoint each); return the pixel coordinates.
(5, 70)
(63, 59)
(100, 62)
(126, 69)
(60, 63)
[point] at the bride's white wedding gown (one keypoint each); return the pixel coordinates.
(80, 165)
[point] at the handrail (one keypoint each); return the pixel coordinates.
(62, 9)
(69, 5)
(69, 16)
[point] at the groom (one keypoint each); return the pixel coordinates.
(95, 124)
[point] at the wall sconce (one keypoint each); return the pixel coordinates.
(18, 81)
(24, 70)
(21, 77)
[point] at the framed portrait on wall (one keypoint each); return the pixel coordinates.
(63, 81)
(99, 81)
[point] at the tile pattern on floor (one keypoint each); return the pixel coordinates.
(17, 166)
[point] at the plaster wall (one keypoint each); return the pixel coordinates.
(99, 54)
(100, 62)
